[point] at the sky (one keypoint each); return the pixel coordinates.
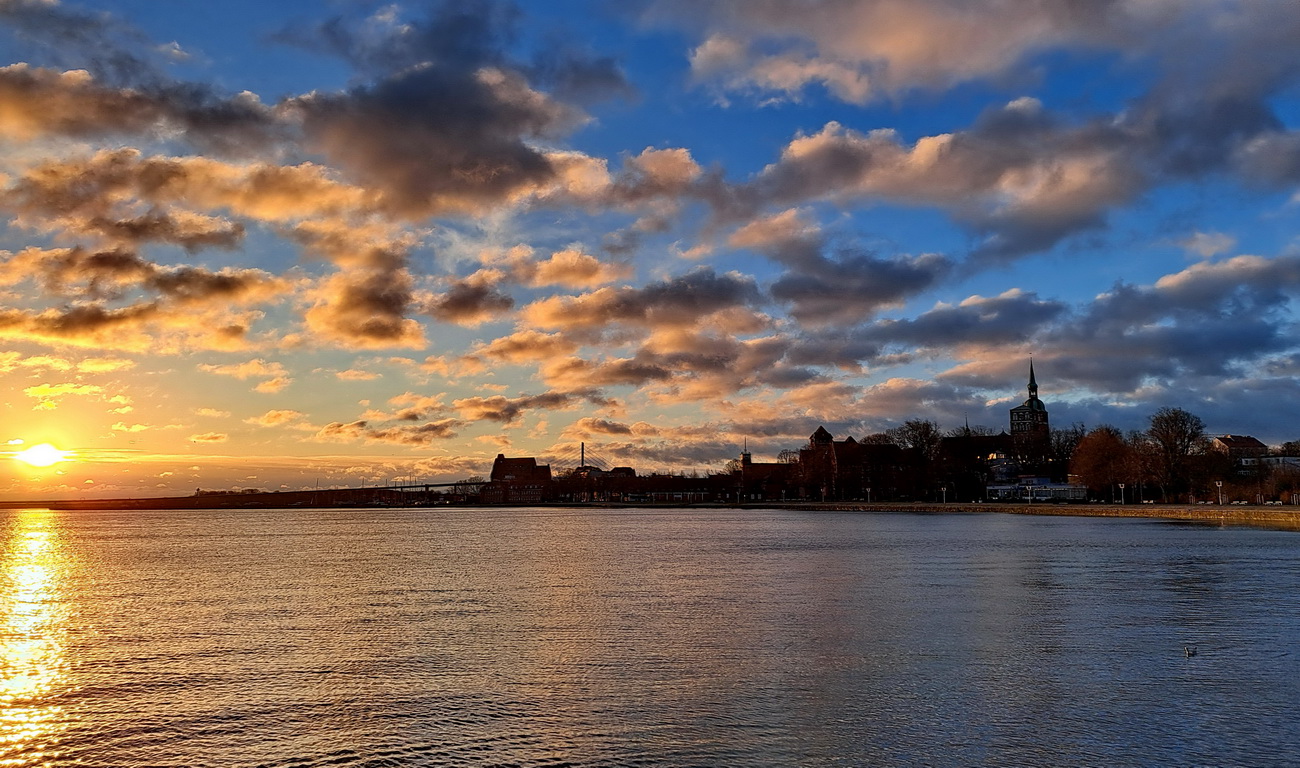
(298, 244)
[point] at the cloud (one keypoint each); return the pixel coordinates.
(142, 327)
(523, 347)
(507, 410)
(210, 437)
(423, 434)
(846, 288)
(365, 303)
(275, 375)
(862, 51)
(111, 274)
(593, 426)
(366, 308)
(444, 122)
(415, 407)
(570, 268)
(251, 369)
(1020, 178)
(1210, 321)
(104, 364)
(1017, 177)
(124, 197)
(1207, 245)
(275, 418)
(473, 301)
(40, 102)
(49, 395)
(682, 300)
(573, 373)
(357, 374)
(1010, 318)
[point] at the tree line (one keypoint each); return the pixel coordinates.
(1172, 460)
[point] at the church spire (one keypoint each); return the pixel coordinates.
(1033, 384)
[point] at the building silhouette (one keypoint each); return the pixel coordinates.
(1029, 419)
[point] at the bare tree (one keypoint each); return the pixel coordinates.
(878, 438)
(1178, 435)
(1065, 441)
(920, 435)
(978, 430)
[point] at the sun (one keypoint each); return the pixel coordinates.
(42, 455)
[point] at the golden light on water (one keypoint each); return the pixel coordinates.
(32, 657)
(43, 455)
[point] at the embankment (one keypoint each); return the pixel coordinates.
(1279, 518)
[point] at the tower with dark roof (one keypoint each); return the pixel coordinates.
(1029, 419)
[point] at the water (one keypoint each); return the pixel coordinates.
(500, 637)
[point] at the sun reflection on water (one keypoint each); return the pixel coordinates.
(33, 616)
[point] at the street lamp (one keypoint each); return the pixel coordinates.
(1219, 484)
(1121, 494)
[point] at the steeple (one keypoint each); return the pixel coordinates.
(1031, 416)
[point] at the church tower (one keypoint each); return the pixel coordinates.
(1030, 418)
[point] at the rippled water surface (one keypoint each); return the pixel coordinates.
(499, 637)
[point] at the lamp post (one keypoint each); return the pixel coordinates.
(1121, 494)
(1219, 484)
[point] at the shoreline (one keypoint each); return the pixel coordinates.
(1272, 518)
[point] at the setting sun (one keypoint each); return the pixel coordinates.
(42, 455)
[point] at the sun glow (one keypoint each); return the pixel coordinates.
(42, 455)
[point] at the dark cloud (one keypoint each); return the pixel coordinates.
(602, 426)
(692, 365)
(470, 303)
(853, 286)
(424, 434)
(367, 308)
(446, 119)
(579, 77)
(435, 141)
(1020, 178)
(845, 288)
(38, 102)
(525, 346)
(573, 373)
(69, 38)
(682, 300)
(189, 232)
(193, 284)
(1008, 319)
(152, 326)
(102, 194)
(1211, 321)
(508, 410)
(111, 274)
(464, 36)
